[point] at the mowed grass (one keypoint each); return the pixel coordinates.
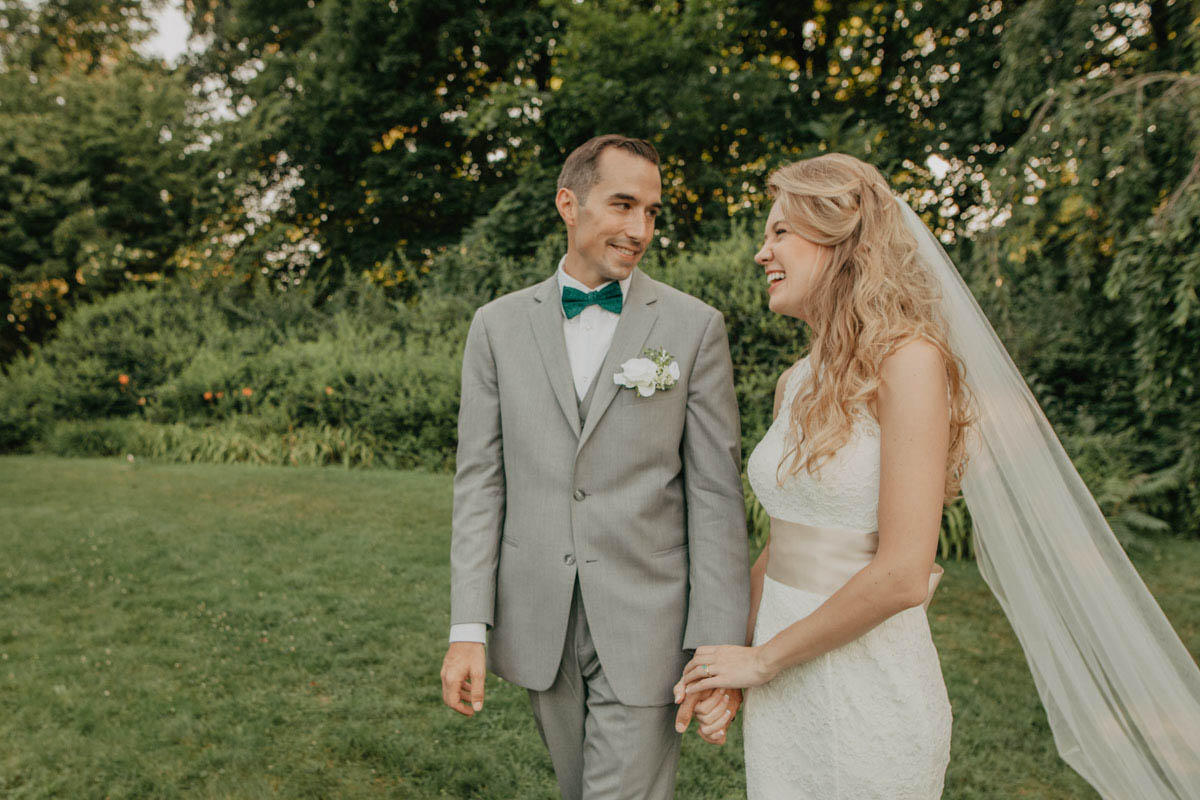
(223, 631)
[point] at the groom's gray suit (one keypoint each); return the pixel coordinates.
(609, 529)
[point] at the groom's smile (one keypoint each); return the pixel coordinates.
(627, 253)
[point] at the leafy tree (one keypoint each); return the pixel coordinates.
(1103, 189)
(356, 105)
(44, 36)
(95, 189)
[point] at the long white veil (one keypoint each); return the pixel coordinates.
(1121, 692)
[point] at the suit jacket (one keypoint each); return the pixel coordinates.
(642, 500)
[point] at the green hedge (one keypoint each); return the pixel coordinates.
(262, 366)
(246, 439)
(362, 379)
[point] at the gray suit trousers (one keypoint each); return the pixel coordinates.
(601, 749)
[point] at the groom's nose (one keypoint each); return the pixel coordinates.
(638, 232)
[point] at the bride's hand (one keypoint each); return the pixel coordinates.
(725, 667)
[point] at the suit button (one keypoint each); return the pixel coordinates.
(580, 494)
(569, 560)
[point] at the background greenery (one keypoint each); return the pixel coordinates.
(239, 631)
(268, 252)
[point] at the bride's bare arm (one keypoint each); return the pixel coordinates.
(913, 411)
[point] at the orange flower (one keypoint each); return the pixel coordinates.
(207, 396)
(220, 395)
(247, 391)
(328, 390)
(141, 401)
(123, 379)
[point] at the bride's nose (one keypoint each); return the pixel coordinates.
(763, 256)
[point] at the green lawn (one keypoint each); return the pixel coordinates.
(222, 631)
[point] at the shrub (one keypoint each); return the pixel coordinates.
(100, 437)
(108, 355)
(363, 369)
(240, 440)
(24, 412)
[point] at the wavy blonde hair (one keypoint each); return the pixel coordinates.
(872, 296)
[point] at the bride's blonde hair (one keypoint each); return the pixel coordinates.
(872, 296)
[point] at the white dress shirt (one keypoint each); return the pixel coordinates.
(588, 337)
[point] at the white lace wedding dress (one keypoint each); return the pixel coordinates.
(870, 719)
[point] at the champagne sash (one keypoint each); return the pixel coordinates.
(820, 560)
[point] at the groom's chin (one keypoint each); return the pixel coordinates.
(619, 272)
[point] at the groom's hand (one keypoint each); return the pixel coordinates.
(716, 713)
(713, 709)
(463, 673)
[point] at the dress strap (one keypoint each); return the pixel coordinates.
(795, 379)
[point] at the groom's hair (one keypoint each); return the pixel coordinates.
(579, 172)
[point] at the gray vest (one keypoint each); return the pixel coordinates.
(586, 402)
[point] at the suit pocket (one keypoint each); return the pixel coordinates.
(670, 551)
(630, 397)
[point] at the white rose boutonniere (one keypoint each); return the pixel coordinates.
(655, 370)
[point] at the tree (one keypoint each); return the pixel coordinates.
(95, 189)
(1103, 189)
(360, 103)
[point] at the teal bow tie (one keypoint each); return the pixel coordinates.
(575, 301)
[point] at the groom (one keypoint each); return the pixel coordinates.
(598, 533)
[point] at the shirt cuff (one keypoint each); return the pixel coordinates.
(469, 632)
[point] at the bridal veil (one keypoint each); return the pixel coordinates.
(1121, 691)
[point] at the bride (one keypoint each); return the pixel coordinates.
(904, 384)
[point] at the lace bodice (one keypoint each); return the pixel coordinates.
(844, 493)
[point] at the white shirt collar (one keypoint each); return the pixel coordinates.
(565, 280)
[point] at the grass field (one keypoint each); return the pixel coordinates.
(219, 631)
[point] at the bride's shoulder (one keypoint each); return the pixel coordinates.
(912, 376)
(917, 357)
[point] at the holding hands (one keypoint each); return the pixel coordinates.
(714, 711)
(710, 689)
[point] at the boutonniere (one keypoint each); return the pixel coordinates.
(656, 370)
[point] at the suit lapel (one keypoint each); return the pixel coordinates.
(547, 319)
(637, 318)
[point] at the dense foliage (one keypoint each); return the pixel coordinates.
(309, 205)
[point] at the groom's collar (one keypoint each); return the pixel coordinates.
(565, 280)
(546, 315)
(638, 289)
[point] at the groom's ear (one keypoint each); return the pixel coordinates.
(568, 206)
